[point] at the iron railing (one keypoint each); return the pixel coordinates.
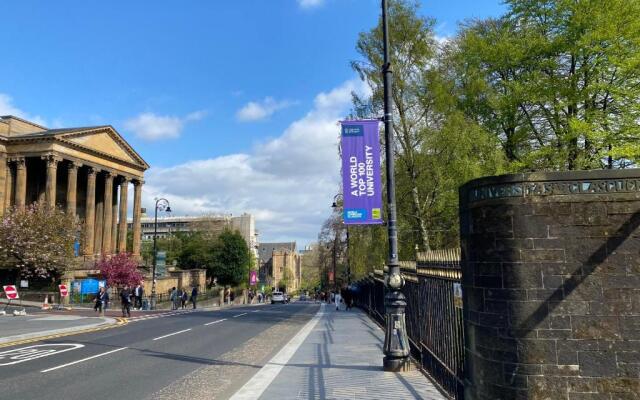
(434, 314)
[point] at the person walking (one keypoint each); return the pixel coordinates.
(194, 296)
(137, 295)
(125, 300)
(183, 299)
(173, 297)
(337, 299)
(102, 298)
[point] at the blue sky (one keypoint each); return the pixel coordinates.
(232, 103)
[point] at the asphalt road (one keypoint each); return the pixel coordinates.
(143, 359)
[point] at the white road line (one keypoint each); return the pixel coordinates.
(171, 334)
(254, 388)
(84, 359)
(215, 322)
(255, 311)
(239, 315)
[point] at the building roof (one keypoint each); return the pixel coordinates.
(266, 249)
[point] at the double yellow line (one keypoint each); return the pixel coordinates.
(120, 322)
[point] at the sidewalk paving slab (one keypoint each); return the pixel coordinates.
(342, 359)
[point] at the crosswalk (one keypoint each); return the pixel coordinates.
(160, 315)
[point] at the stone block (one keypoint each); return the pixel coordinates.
(597, 363)
(596, 327)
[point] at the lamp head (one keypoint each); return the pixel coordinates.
(334, 205)
(168, 209)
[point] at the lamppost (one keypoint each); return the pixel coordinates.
(396, 343)
(162, 204)
(335, 207)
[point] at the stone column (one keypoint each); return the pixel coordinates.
(89, 223)
(114, 218)
(122, 227)
(9, 186)
(99, 219)
(3, 176)
(72, 187)
(137, 215)
(108, 213)
(21, 182)
(52, 176)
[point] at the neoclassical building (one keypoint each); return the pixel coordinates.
(87, 171)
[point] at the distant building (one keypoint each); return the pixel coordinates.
(245, 224)
(279, 261)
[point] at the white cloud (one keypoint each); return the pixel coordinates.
(150, 126)
(8, 108)
(286, 182)
(256, 111)
(310, 3)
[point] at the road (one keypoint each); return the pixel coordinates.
(202, 354)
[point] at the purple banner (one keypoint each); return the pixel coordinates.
(253, 278)
(361, 172)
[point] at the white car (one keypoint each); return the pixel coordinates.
(277, 297)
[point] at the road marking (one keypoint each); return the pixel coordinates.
(254, 388)
(38, 351)
(239, 315)
(215, 322)
(84, 359)
(255, 311)
(171, 334)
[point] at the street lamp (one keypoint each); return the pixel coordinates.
(162, 205)
(335, 207)
(396, 342)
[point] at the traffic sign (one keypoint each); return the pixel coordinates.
(64, 292)
(11, 292)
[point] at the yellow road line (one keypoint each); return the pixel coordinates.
(120, 322)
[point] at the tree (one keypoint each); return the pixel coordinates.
(557, 81)
(119, 270)
(38, 240)
(231, 259)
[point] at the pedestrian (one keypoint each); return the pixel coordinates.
(125, 299)
(102, 298)
(194, 296)
(348, 298)
(173, 297)
(137, 295)
(183, 298)
(337, 299)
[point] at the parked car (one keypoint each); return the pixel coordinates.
(277, 297)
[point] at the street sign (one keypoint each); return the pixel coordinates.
(161, 263)
(64, 292)
(253, 278)
(11, 292)
(24, 283)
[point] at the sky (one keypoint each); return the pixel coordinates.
(234, 104)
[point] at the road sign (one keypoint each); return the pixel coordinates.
(64, 292)
(11, 292)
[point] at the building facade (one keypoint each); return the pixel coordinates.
(86, 171)
(280, 265)
(245, 224)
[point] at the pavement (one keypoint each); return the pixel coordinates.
(340, 358)
(21, 328)
(212, 354)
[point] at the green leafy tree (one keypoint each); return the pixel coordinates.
(38, 240)
(231, 259)
(556, 81)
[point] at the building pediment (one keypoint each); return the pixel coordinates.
(103, 140)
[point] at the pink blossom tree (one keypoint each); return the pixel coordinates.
(119, 270)
(37, 239)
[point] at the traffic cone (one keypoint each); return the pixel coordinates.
(45, 305)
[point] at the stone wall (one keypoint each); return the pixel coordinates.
(551, 283)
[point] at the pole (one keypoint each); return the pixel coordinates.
(155, 260)
(348, 261)
(335, 278)
(396, 343)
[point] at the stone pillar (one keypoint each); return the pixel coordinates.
(21, 182)
(551, 271)
(99, 220)
(122, 227)
(137, 216)
(3, 186)
(90, 219)
(52, 176)
(9, 186)
(114, 218)
(108, 213)
(72, 187)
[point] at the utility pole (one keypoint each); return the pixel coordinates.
(396, 343)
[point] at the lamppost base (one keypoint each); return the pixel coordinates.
(397, 364)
